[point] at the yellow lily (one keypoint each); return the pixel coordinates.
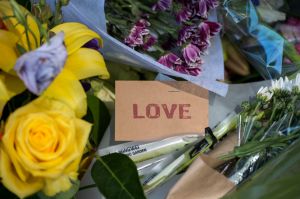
(80, 64)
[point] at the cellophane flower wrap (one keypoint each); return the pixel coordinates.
(44, 134)
(263, 47)
(177, 38)
(267, 125)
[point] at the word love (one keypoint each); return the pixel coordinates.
(155, 111)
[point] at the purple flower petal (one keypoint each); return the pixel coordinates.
(201, 8)
(137, 34)
(186, 33)
(93, 44)
(142, 23)
(191, 55)
(150, 41)
(183, 15)
(170, 60)
(162, 5)
(214, 27)
(204, 31)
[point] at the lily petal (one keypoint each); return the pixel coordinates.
(4, 97)
(13, 26)
(8, 38)
(8, 57)
(67, 89)
(85, 63)
(76, 35)
(13, 84)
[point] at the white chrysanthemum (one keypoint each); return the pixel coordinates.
(296, 82)
(277, 84)
(282, 84)
(265, 94)
(288, 84)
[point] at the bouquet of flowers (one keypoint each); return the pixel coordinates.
(51, 122)
(267, 126)
(177, 38)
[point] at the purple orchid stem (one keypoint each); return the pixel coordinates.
(162, 5)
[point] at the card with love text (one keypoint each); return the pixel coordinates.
(150, 110)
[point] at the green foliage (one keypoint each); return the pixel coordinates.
(97, 114)
(280, 178)
(116, 177)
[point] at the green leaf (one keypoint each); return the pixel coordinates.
(97, 114)
(63, 195)
(16, 102)
(116, 177)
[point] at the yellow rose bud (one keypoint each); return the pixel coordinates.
(41, 148)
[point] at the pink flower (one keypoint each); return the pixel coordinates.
(191, 55)
(162, 5)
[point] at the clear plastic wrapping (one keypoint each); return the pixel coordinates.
(262, 46)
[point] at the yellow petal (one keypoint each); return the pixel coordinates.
(8, 57)
(8, 38)
(12, 25)
(85, 63)
(13, 183)
(4, 97)
(67, 89)
(76, 35)
(13, 84)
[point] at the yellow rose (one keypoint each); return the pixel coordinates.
(41, 148)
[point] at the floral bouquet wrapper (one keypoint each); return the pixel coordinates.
(92, 13)
(261, 45)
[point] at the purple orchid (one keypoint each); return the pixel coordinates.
(191, 55)
(162, 5)
(149, 41)
(170, 60)
(183, 15)
(203, 7)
